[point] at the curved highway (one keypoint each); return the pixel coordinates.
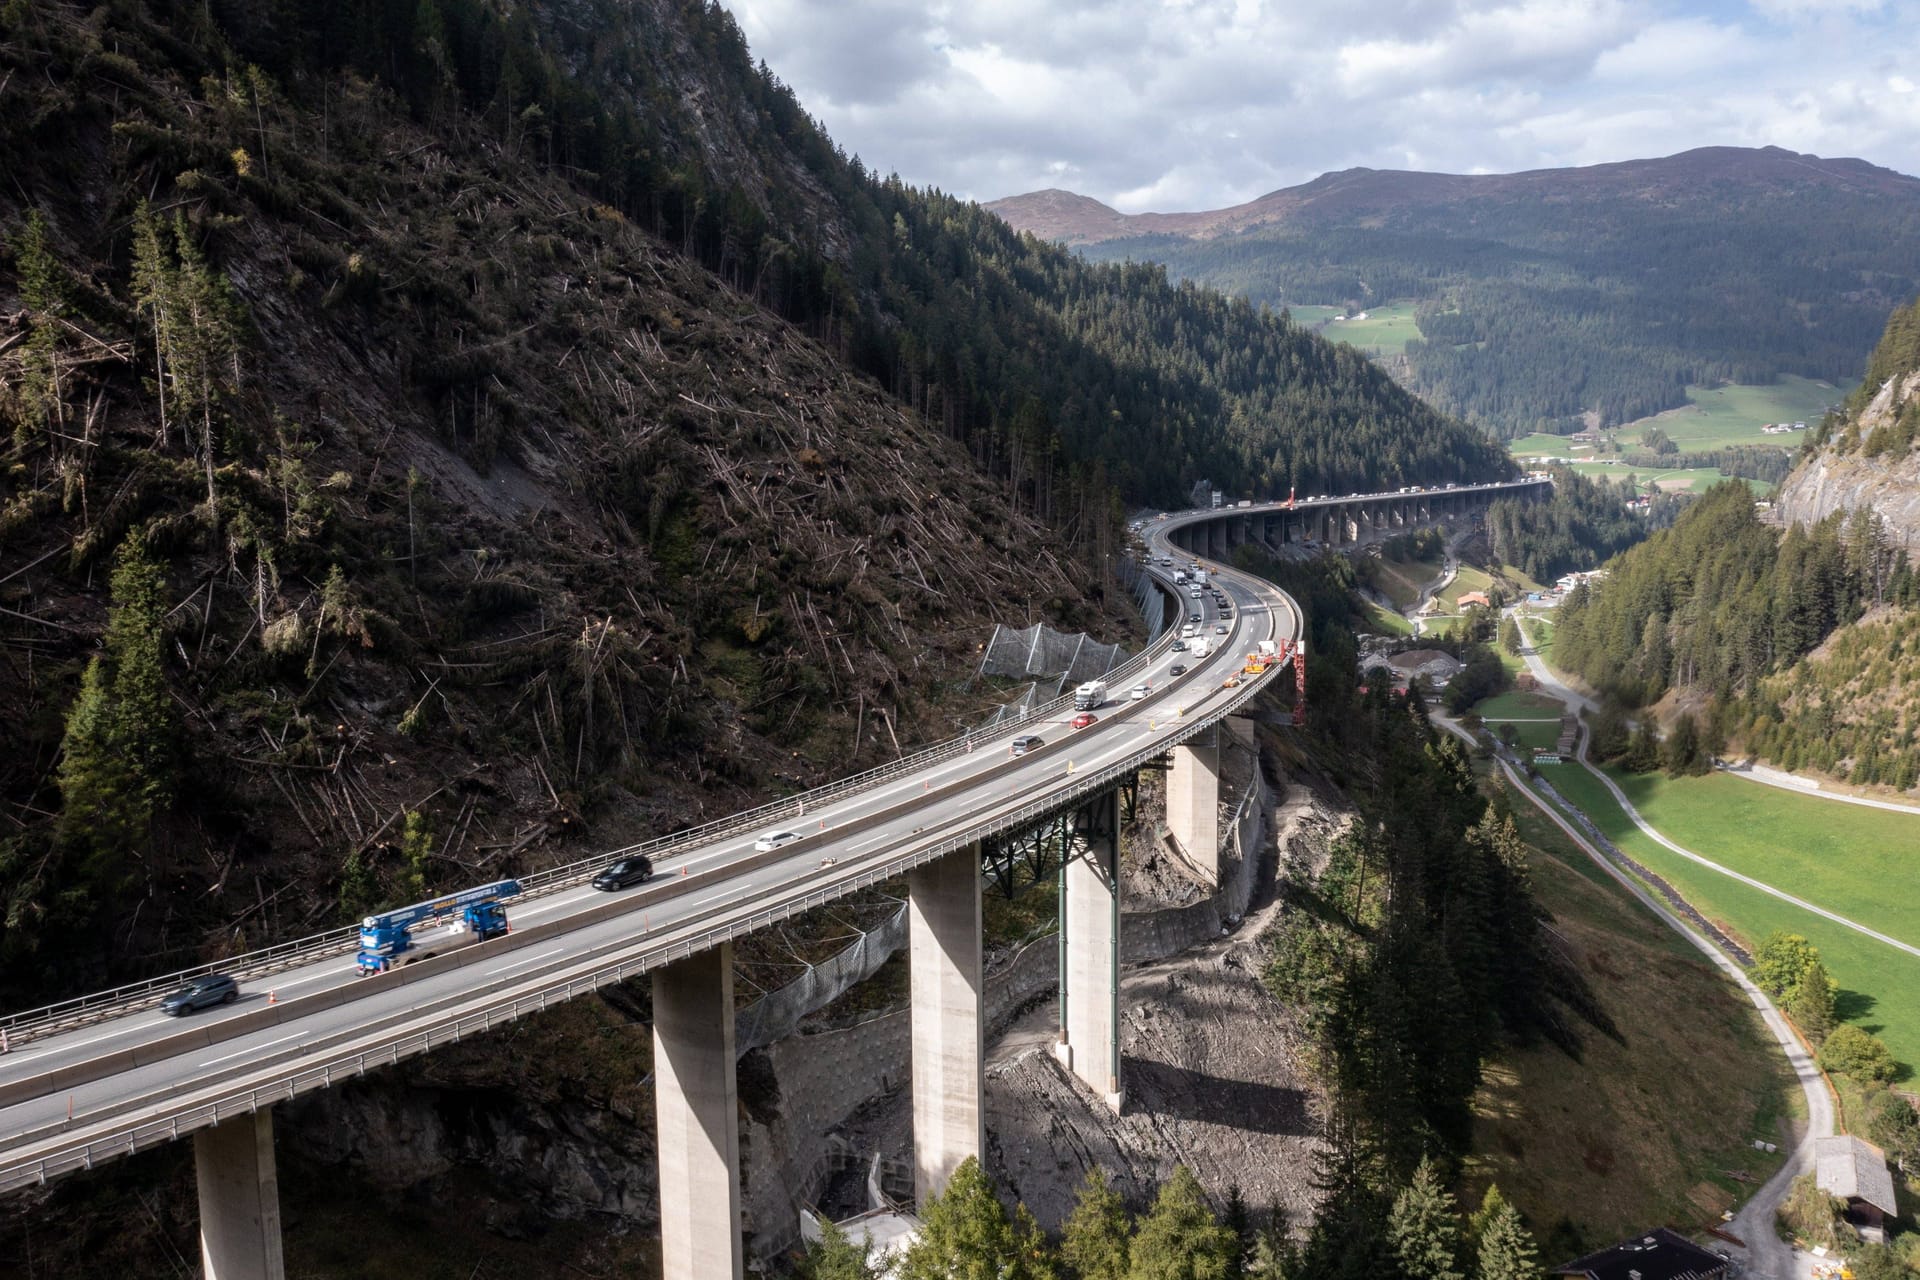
(73, 1099)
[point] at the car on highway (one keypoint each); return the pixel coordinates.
(624, 874)
(1177, 669)
(1024, 743)
(1231, 682)
(774, 840)
(201, 993)
(1140, 691)
(1194, 616)
(1178, 646)
(1221, 629)
(1084, 719)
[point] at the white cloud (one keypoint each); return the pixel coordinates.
(1184, 104)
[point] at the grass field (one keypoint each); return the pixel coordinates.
(1467, 579)
(1400, 580)
(1534, 716)
(1641, 1128)
(1386, 329)
(1817, 849)
(1726, 415)
(1386, 622)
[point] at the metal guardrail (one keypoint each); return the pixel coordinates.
(344, 1064)
(32, 1024)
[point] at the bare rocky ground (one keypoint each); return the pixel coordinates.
(1211, 1064)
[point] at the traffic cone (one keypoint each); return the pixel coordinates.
(683, 870)
(273, 997)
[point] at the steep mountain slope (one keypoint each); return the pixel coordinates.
(1868, 460)
(435, 487)
(1558, 296)
(1805, 639)
(1065, 381)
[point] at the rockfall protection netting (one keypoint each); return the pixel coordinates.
(778, 1013)
(1052, 657)
(1151, 599)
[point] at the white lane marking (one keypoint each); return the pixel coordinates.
(56, 1043)
(521, 964)
(255, 1048)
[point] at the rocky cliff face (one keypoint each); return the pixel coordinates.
(1842, 477)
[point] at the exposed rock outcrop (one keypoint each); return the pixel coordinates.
(1840, 479)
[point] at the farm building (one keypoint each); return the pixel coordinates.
(1856, 1172)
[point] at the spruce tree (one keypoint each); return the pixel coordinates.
(1093, 1243)
(1423, 1228)
(1812, 1003)
(836, 1257)
(1507, 1250)
(118, 756)
(966, 1234)
(1179, 1239)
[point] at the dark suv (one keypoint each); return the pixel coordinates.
(1026, 742)
(201, 993)
(624, 874)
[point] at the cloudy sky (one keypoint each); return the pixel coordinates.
(1195, 104)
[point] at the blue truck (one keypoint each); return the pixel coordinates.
(434, 927)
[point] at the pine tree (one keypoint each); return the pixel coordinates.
(117, 762)
(1643, 749)
(1683, 748)
(1507, 1250)
(153, 295)
(1480, 1219)
(966, 1234)
(1093, 1243)
(836, 1257)
(1179, 1239)
(1424, 1230)
(1812, 1003)
(40, 396)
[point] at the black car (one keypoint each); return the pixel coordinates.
(201, 993)
(1026, 742)
(1177, 669)
(624, 874)
(1178, 646)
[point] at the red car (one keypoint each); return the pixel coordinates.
(1084, 719)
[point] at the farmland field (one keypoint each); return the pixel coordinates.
(1386, 329)
(1831, 854)
(1733, 414)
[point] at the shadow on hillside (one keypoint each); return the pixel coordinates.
(1238, 1104)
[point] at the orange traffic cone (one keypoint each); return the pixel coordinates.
(273, 997)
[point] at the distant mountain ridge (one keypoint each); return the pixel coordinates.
(1360, 194)
(1557, 298)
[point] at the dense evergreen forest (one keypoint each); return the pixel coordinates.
(1581, 525)
(1413, 954)
(1067, 380)
(1536, 308)
(1723, 604)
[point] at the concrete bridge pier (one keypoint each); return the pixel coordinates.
(949, 1049)
(1193, 802)
(239, 1200)
(698, 1117)
(1090, 950)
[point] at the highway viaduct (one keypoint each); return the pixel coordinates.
(98, 1078)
